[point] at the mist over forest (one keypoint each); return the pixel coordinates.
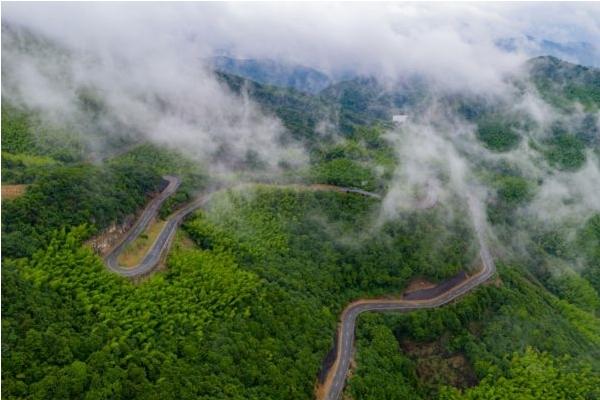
(342, 152)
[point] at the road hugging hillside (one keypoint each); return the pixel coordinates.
(336, 376)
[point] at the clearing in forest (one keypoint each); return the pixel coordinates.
(10, 192)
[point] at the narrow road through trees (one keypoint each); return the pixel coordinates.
(336, 377)
(152, 258)
(165, 237)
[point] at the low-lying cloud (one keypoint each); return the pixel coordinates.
(455, 45)
(144, 63)
(148, 85)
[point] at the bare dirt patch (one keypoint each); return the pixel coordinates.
(437, 290)
(10, 192)
(418, 284)
(109, 237)
(437, 366)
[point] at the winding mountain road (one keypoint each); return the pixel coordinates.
(152, 258)
(165, 237)
(336, 376)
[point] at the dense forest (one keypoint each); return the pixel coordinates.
(247, 302)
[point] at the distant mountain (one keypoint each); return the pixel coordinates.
(275, 73)
(561, 82)
(583, 53)
(561, 71)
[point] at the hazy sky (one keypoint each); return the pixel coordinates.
(384, 38)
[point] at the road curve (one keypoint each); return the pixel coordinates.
(165, 237)
(336, 377)
(153, 256)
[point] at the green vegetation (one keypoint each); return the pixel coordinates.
(588, 131)
(17, 135)
(248, 304)
(512, 191)
(364, 102)
(576, 290)
(497, 134)
(516, 318)
(165, 162)
(70, 196)
(588, 242)
(249, 313)
(565, 152)
(344, 172)
(534, 375)
(363, 160)
(24, 132)
(359, 103)
(299, 112)
(24, 168)
(108, 337)
(562, 84)
(66, 192)
(383, 372)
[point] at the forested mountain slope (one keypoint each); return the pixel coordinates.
(271, 72)
(247, 303)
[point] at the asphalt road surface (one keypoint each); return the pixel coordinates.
(152, 258)
(165, 237)
(336, 377)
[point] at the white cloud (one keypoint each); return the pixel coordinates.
(153, 49)
(148, 77)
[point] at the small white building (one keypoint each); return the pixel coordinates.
(399, 119)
